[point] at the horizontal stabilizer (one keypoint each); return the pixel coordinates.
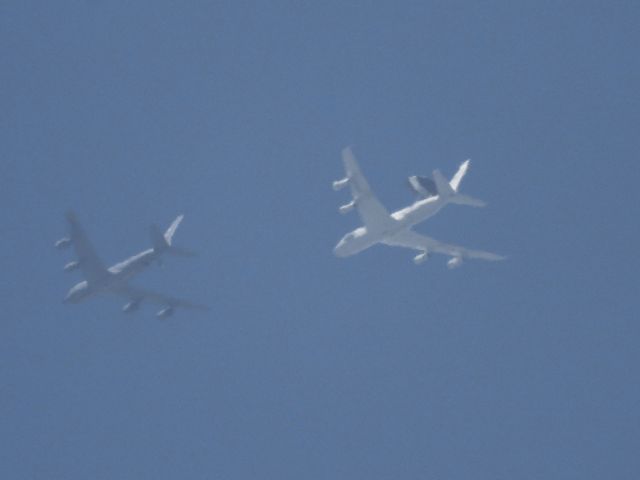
(467, 200)
(181, 252)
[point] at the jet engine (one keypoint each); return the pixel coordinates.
(132, 306)
(165, 312)
(421, 257)
(347, 208)
(340, 184)
(71, 266)
(63, 243)
(454, 262)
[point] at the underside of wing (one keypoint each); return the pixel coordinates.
(88, 261)
(416, 241)
(371, 211)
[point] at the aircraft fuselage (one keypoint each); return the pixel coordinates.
(118, 274)
(361, 238)
(134, 265)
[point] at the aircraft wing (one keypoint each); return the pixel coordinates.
(92, 267)
(416, 241)
(371, 211)
(139, 294)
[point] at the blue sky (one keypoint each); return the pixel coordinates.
(309, 366)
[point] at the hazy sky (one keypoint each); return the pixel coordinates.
(309, 366)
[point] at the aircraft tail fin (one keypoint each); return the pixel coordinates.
(162, 242)
(159, 241)
(459, 175)
(442, 185)
(449, 190)
(168, 235)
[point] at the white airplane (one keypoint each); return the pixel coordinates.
(100, 279)
(395, 229)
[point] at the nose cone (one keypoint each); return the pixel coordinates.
(338, 250)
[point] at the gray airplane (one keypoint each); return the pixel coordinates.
(114, 280)
(395, 229)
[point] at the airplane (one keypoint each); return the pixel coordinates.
(395, 229)
(100, 279)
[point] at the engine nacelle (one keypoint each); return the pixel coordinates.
(340, 184)
(63, 243)
(454, 262)
(421, 257)
(131, 306)
(71, 266)
(347, 208)
(165, 312)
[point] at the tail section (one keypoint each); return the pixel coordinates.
(457, 178)
(449, 190)
(442, 185)
(162, 242)
(159, 241)
(168, 235)
(467, 200)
